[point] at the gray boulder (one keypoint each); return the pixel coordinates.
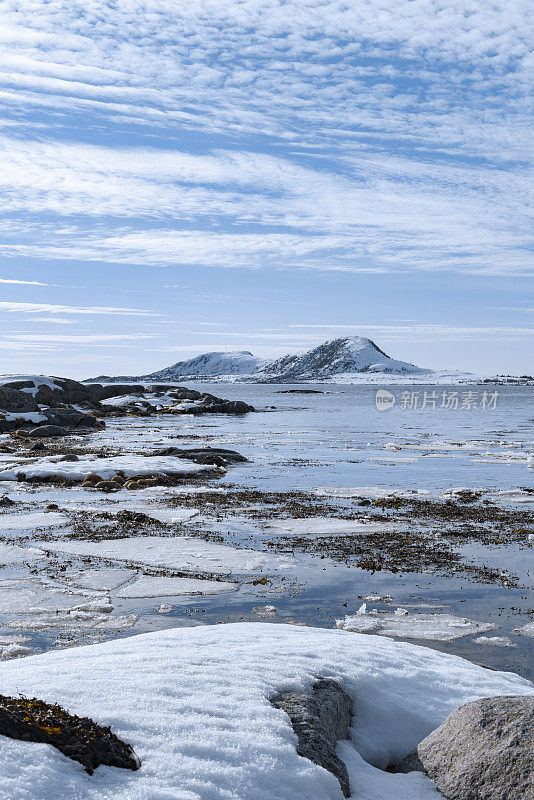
(483, 751)
(45, 431)
(320, 720)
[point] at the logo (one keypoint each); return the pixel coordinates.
(384, 400)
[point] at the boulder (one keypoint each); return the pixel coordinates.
(320, 720)
(44, 431)
(204, 455)
(483, 751)
(219, 406)
(15, 400)
(71, 418)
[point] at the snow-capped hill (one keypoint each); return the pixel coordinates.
(237, 363)
(335, 357)
(207, 365)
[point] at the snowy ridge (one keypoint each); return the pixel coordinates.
(344, 356)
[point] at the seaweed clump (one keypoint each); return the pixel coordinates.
(79, 738)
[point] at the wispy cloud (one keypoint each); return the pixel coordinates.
(22, 283)
(49, 308)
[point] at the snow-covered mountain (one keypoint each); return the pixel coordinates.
(240, 362)
(353, 355)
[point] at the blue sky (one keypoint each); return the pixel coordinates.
(179, 177)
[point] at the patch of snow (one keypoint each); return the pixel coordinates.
(267, 612)
(194, 704)
(495, 641)
(401, 624)
(526, 630)
(177, 553)
(8, 651)
(24, 416)
(148, 586)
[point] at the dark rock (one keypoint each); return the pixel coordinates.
(71, 418)
(98, 392)
(204, 455)
(67, 391)
(6, 502)
(300, 391)
(320, 720)
(15, 400)
(78, 738)
(483, 751)
(363, 503)
(68, 458)
(219, 406)
(134, 516)
(37, 446)
(47, 430)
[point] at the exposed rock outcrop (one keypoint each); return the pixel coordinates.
(320, 720)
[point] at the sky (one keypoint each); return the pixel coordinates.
(182, 177)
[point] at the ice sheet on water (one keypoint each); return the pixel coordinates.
(106, 468)
(526, 630)
(401, 624)
(103, 579)
(27, 520)
(176, 552)
(194, 704)
(11, 554)
(514, 496)
(149, 586)
(495, 641)
(325, 526)
(374, 492)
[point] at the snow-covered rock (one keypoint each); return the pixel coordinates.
(194, 705)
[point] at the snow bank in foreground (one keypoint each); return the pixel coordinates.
(173, 552)
(107, 467)
(194, 704)
(431, 627)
